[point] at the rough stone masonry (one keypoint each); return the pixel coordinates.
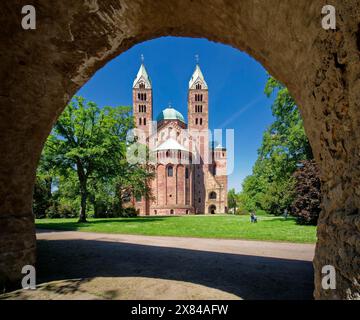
(41, 70)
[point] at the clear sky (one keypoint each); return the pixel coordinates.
(236, 89)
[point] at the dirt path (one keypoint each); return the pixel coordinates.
(295, 251)
(143, 267)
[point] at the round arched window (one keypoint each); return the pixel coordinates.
(212, 195)
(187, 173)
(170, 171)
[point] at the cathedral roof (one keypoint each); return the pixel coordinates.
(197, 76)
(171, 144)
(142, 75)
(214, 145)
(170, 114)
(220, 147)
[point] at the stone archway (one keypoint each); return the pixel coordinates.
(41, 70)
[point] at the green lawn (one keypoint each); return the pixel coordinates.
(268, 228)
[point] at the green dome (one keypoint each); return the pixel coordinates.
(170, 114)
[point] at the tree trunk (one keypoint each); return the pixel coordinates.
(82, 216)
(83, 192)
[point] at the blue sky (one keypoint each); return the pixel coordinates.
(236, 89)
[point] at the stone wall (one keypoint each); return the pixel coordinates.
(41, 70)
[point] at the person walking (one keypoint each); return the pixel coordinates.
(253, 218)
(286, 214)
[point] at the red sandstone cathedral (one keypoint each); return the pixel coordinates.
(190, 173)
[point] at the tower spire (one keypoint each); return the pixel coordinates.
(197, 75)
(142, 75)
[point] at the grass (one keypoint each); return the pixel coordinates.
(268, 228)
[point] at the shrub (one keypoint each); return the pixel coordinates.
(61, 210)
(242, 212)
(66, 211)
(306, 205)
(129, 212)
(100, 210)
(261, 212)
(113, 211)
(52, 212)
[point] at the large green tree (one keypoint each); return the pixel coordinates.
(271, 185)
(285, 141)
(89, 143)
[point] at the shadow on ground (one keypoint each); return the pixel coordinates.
(248, 277)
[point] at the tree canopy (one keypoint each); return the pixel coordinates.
(86, 151)
(271, 185)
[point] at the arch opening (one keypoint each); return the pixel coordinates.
(212, 209)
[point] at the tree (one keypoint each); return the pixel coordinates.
(285, 142)
(271, 185)
(91, 143)
(232, 200)
(278, 196)
(42, 196)
(306, 206)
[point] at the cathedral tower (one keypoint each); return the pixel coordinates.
(198, 125)
(198, 113)
(198, 101)
(142, 102)
(143, 116)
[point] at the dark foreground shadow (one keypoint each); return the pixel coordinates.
(248, 277)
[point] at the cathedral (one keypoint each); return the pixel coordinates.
(190, 170)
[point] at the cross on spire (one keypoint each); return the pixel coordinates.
(197, 58)
(142, 58)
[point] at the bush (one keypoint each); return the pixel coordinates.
(59, 210)
(52, 212)
(129, 212)
(261, 212)
(113, 211)
(66, 211)
(242, 212)
(100, 210)
(306, 205)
